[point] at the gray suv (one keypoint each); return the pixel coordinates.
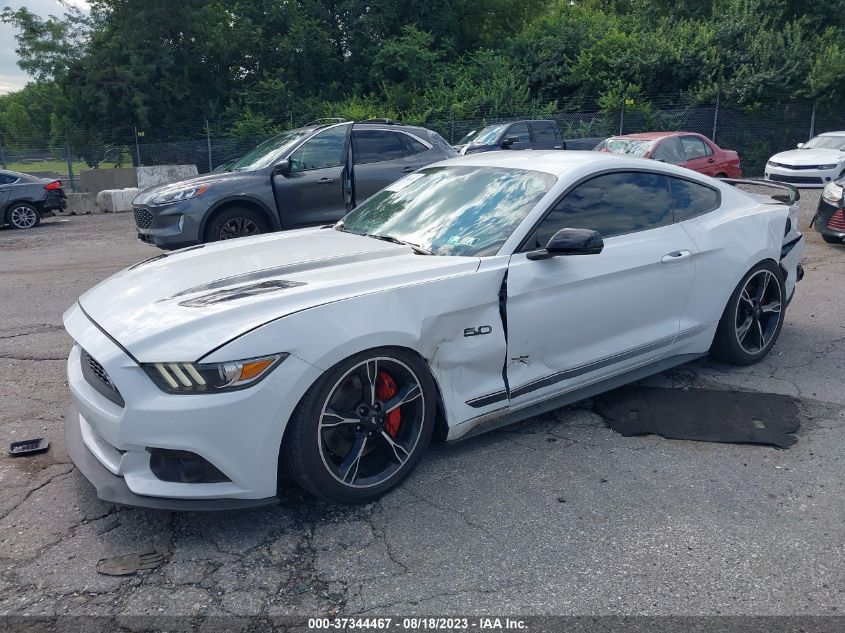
(303, 177)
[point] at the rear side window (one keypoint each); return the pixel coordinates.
(690, 199)
(412, 146)
(694, 147)
(544, 132)
(520, 131)
(6, 179)
(670, 151)
(612, 204)
(373, 146)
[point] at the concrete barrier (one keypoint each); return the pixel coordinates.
(96, 180)
(80, 204)
(116, 200)
(161, 174)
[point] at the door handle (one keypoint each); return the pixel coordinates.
(675, 256)
(325, 181)
(711, 160)
(408, 170)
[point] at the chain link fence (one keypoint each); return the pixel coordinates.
(755, 134)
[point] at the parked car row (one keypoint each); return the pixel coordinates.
(317, 173)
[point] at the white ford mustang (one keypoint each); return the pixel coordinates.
(472, 293)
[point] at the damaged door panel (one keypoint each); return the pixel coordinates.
(574, 319)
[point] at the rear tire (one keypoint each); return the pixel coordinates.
(235, 222)
(345, 442)
(753, 318)
(22, 215)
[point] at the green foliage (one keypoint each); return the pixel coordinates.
(251, 67)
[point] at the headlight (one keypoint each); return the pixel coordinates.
(169, 197)
(189, 378)
(833, 194)
(824, 167)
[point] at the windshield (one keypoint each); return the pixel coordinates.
(454, 210)
(268, 152)
(488, 134)
(467, 137)
(826, 142)
(629, 146)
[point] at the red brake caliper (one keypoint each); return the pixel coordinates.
(385, 389)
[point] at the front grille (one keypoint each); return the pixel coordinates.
(97, 376)
(837, 222)
(806, 180)
(143, 218)
(796, 167)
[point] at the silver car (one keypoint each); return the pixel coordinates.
(303, 177)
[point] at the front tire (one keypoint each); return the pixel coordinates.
(22, 215)
(361, 427)
(235, 222)
(753, 318)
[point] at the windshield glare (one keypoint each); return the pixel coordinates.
(467, 138)
(487, 134)
(826, 142)
(268, 152)
(453, 210)
(629, 146)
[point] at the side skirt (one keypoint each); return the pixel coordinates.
(505, 416)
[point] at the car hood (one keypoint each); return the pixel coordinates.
(178, 307)
(809, 157)
(229, 177)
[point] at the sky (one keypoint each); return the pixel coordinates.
(11, 77)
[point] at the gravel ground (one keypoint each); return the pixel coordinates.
(556, 515)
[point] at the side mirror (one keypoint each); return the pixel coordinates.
(570, 242)
(509, 141)
(800, 145)
(282, 168)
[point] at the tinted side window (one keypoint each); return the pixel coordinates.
(321, 151)
(694, 147)
(612, 204)
(412, 146)
(6, 179)
(544, 132)
(373, 146)
(670, 150)
(520, 131)
(690, 199)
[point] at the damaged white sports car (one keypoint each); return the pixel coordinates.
(472, 293)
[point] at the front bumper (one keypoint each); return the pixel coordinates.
(113, 489)
(171, 226)
(239, 433)
(809, 178)
(829, 221)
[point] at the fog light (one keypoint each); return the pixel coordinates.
(183, 467)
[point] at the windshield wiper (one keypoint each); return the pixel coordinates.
(419, 250)
(395, 240)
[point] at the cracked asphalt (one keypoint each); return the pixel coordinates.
(556, 515)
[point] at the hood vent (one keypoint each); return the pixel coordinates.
(240, 292)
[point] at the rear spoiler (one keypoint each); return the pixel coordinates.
(792, 198)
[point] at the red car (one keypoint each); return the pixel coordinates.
(687, 149)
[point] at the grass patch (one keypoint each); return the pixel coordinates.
(57, 166)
